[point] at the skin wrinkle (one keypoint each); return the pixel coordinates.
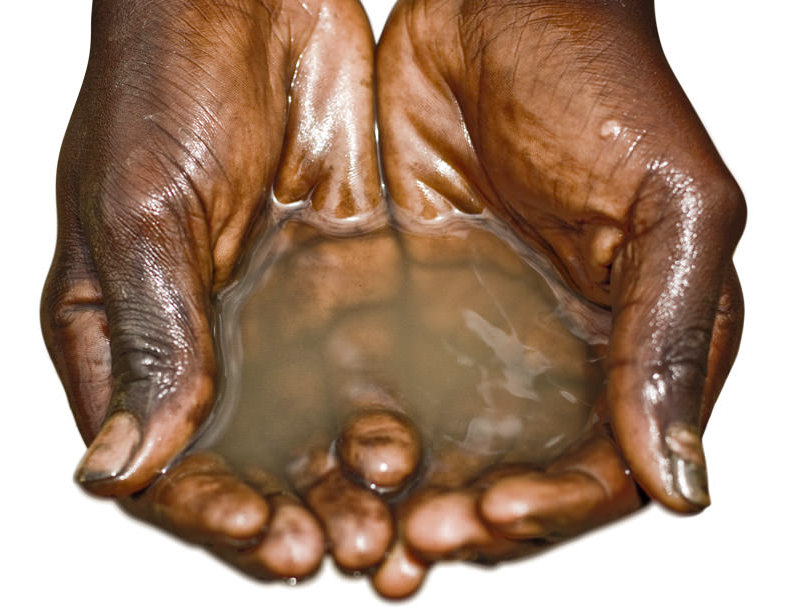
(655, 113)
(151, 361)
(205, 123)
(562, 187)
(554, 190)
(116, 192)
(555, 184)
(193, 187)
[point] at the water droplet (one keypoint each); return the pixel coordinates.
(611, 129)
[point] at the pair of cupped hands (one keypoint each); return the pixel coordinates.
(561, 118)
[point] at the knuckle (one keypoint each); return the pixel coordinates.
(148, 346)
(708, 199)
(63, 300)
(56, 310)
(145, 362)
(725, 202)
(153, 357)
(683, 365)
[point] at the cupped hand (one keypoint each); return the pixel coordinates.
(193, 119)
(190, 116)
(564, 121)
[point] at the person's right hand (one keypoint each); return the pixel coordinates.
(191, 114)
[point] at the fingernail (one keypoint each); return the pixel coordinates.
(687, 461)
(381, 448)
(110, 451)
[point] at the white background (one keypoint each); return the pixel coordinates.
(63, 551)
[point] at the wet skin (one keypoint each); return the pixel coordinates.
(565, 120)
(561, 118)
(190, 116)
(390, 340)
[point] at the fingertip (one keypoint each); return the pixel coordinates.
(670, 467)
(443, 523)
(236, 516)
(293, 545)
(511, 504)
(132, 450)
(687, 466)
(380, 447)
(400, 575)
(358, 523)
(161, 442)
(203, 500)
(108, 455)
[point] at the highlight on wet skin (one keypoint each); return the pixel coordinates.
(274, 357)
(371, 385)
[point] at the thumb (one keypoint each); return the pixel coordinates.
(157, 306)
(671, 342)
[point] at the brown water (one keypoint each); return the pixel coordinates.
(455, 329)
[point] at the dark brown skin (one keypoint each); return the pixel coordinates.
(381, 447)
(190, 114)
(562, 118)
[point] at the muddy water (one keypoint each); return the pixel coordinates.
(455, 329)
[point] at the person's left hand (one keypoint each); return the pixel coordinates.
(564, 121)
